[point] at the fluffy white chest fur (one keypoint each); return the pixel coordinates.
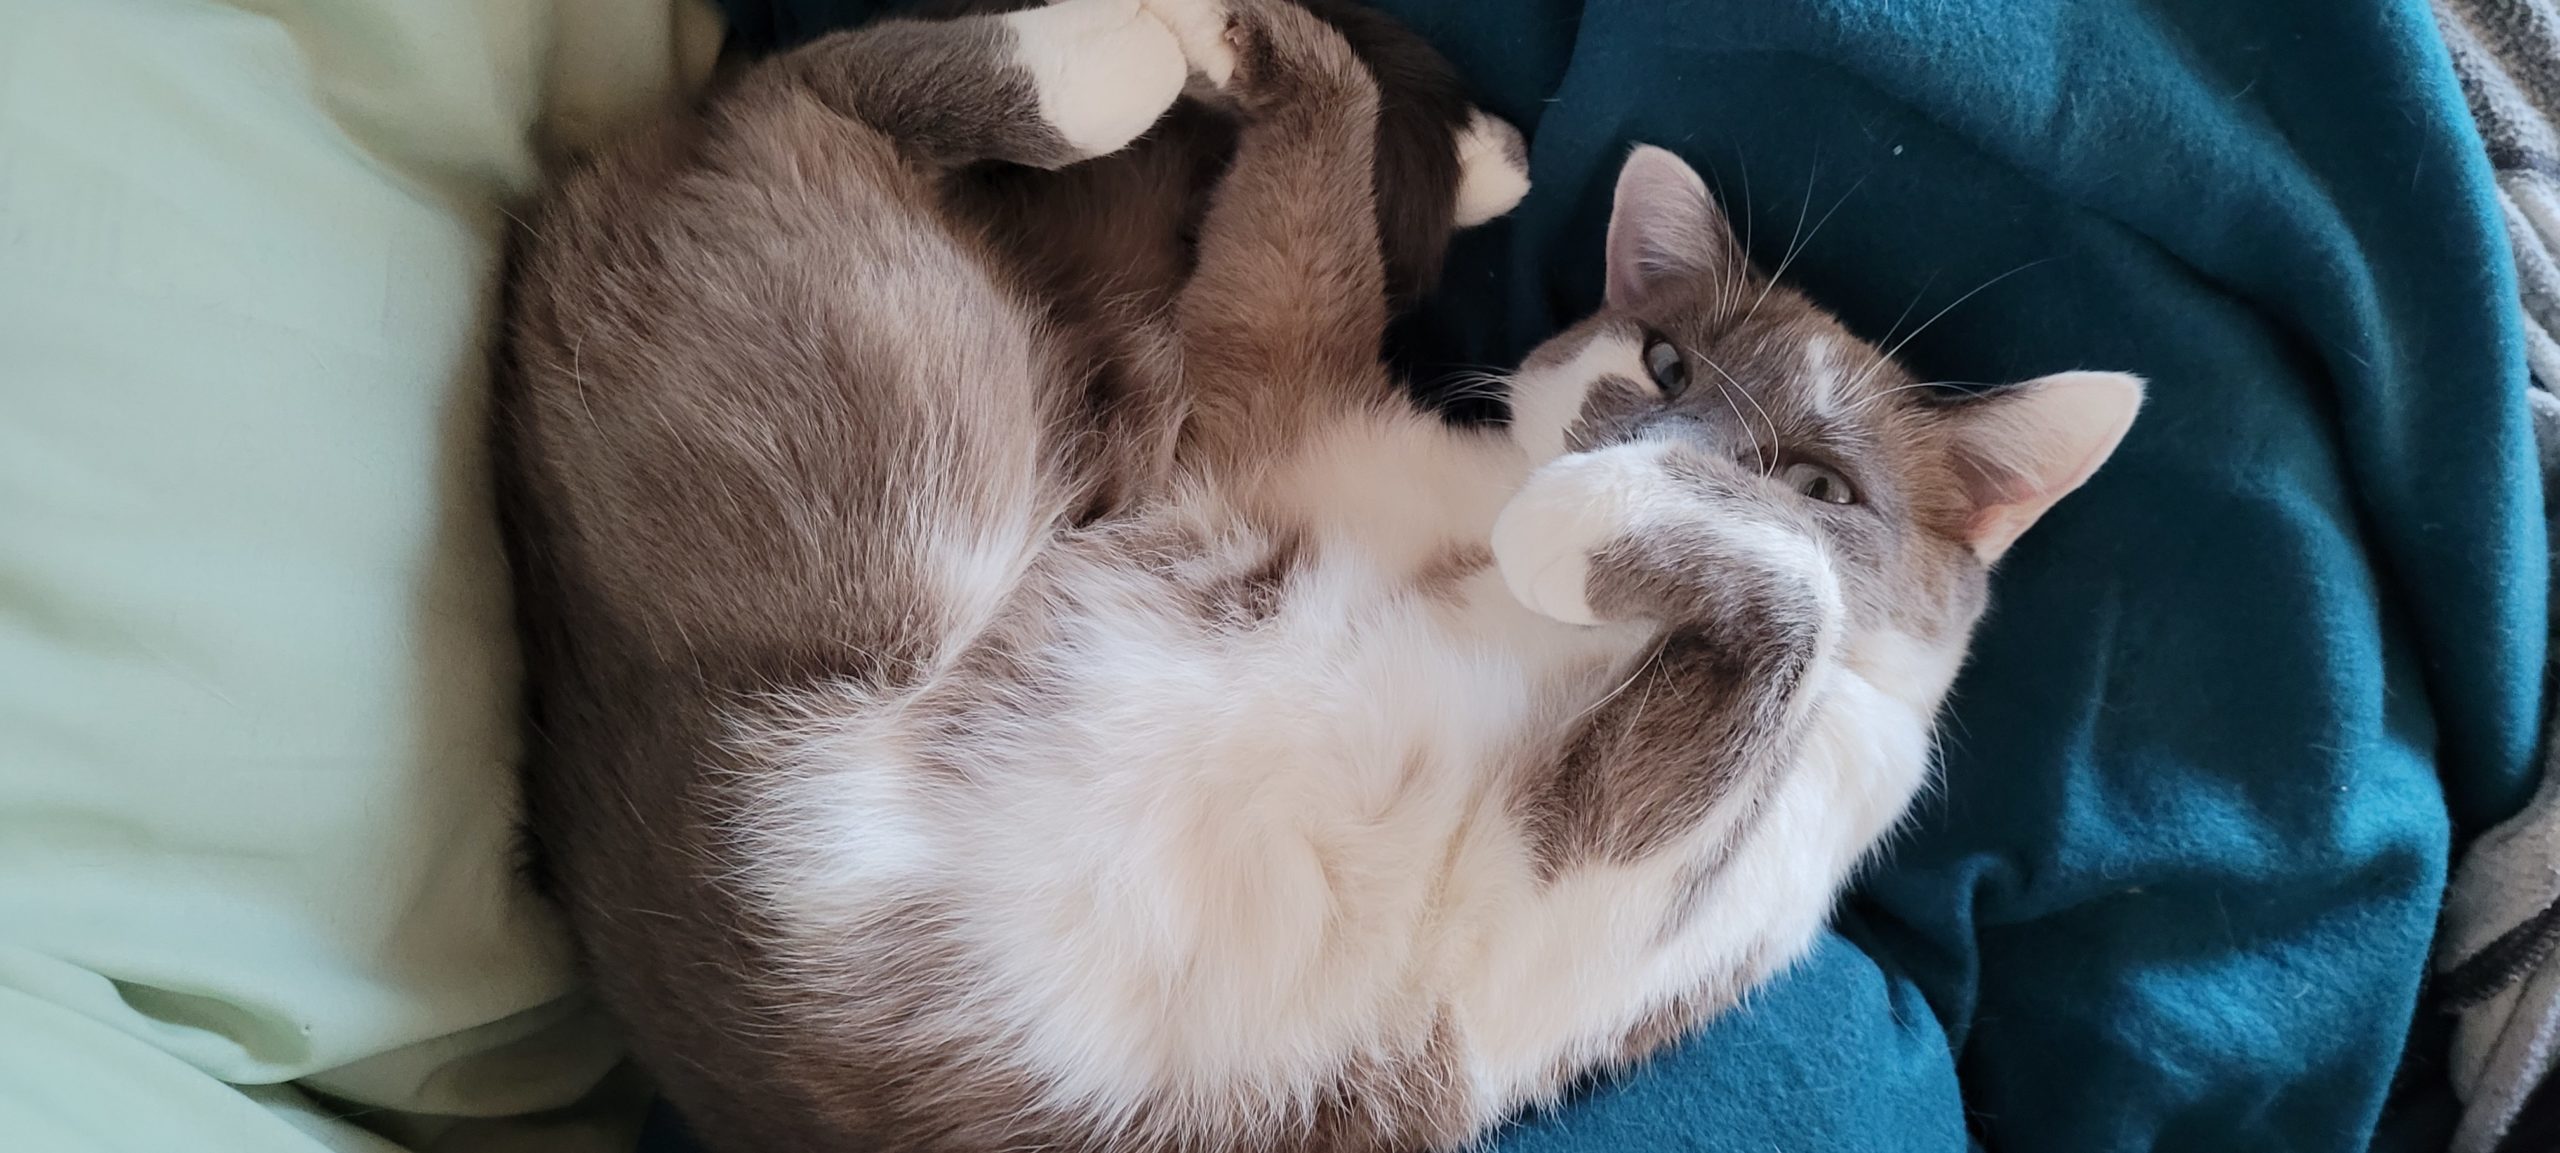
(1220, 856)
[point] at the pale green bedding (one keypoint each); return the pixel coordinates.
(256, 679)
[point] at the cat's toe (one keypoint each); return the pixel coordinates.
(1201, 27)
(1493, 169)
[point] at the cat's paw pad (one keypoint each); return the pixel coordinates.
(1104, 70)
(1493, 169)
(1570, 509)
(1287, 55)
(1201, 27)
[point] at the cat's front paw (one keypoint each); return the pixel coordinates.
(1103, 71)
(1570, 510)
(1649, 530)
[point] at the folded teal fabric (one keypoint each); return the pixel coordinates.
(2237, 697)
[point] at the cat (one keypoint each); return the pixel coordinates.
(952, 730)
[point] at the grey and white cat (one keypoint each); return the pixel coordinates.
(971, 716)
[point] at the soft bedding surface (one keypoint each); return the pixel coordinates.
(2239, 698)
(257, 676)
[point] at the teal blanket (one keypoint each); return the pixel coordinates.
(2237, 699)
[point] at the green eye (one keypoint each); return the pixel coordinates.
(1663, 363)
(1819, 483)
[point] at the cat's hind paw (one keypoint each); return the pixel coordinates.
(1493, 169)
(1201, 27)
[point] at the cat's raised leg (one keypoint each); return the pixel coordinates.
(1656, 531)
(1284, 316)
(1044, 86)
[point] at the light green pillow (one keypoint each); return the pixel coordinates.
(256, 676)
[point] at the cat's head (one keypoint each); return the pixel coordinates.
(1912, 490)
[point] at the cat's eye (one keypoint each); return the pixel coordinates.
(1819, 483)
(1670, 372)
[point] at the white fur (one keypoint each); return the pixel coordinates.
(1397, 488)
(1567, 976)
(1105, 70)
(1547, 399)
(1201, 27)
(1230, 863)
(1543, 543)
(1228, 866)
(1822, 376)
(1490, 180)
(1570, 509)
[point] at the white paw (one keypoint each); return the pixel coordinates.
(1571, 508)
(1200, 26)
(1493, 169)
(1105, 70)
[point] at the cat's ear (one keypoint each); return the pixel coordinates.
(2020, 449)
(1664, 228)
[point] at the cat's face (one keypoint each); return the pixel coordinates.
(1912, 491)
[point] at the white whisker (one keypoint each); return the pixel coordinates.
(1766, 464)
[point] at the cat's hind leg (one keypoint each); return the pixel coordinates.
(1285, 314)
(1442, 162)
(1044, 86)
(1298, 269)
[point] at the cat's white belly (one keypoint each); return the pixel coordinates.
(1227, 862)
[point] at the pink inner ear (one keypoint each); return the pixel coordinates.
(2022, 452)
(2005, 504)
(1662, 226)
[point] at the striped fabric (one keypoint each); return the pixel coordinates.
(2498, 963)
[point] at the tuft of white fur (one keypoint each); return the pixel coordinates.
(1822, 376)
(1105, 70)
(1492, 179)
